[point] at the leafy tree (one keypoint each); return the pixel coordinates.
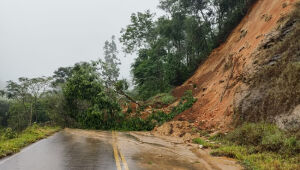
(86, 99)
(228, 15)
(110, 66)
(55, 109)
(2, 93)
(37, 87)
(20, 110)
(171, 47)
(18, 115)
(26, 93)
(61, 75)
(109, 71)
(4, 107)
(139, 33)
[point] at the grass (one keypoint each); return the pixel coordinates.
(161, 100)
(260, 160)
(258, 146)
(9, 146)
(204, 143)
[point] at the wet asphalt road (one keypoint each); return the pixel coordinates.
(63, 151)
(73, 149)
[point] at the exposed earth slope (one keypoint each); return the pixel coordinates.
(224, 82)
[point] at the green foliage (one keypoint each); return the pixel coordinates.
(199, 141)
(18, 116)
(265, 137)
(12, 145)
(229, 14)
(61, 75)
(167, 99)
(86, 100)
(261, 160)
(260, 146)
(185, 103)
(156, 118)
(139, 32)
(121, 85)
(109, 67)
(26, 105)
(204, 143)
(160, 100)
(218, 136)
(8, 133)
(4, 107)
(169, 50)
(55, 109)
(171, 47)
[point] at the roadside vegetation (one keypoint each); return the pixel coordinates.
(91, 94)
(257, 146)
(171, 47)
(161, 100)
(12, 142)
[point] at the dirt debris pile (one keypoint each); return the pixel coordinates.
(181, 129)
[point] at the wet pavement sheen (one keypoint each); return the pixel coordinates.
(63, 151)
(75, 149)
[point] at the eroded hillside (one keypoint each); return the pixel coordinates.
(226, 85)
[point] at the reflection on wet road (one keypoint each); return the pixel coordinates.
(93, 150)
(63, 151)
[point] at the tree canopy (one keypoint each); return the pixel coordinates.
(171, 47)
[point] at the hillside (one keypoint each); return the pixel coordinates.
(227, 84)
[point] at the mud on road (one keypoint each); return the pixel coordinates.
(85, 149)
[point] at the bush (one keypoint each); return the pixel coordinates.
(167, 99)
(260, 146)
(264, 137)
(291, 146)
(9, 134)
(24, 138)
(160, 100)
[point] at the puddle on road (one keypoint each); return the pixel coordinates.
(155, 161)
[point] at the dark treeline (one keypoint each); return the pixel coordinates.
(91, 95)
(171, 47)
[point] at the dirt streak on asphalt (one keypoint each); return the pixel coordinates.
(87, 149)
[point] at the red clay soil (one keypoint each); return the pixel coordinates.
(221, 76)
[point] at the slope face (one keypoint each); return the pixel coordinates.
(219, 82)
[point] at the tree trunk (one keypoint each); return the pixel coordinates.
(30, 117)
(36, 114)
(128, 97)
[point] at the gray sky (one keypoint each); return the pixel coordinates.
(38, 36)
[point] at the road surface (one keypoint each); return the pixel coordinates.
(93, 150)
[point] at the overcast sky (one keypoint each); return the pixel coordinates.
(38, 36)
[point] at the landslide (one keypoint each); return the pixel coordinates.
(253, 76)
